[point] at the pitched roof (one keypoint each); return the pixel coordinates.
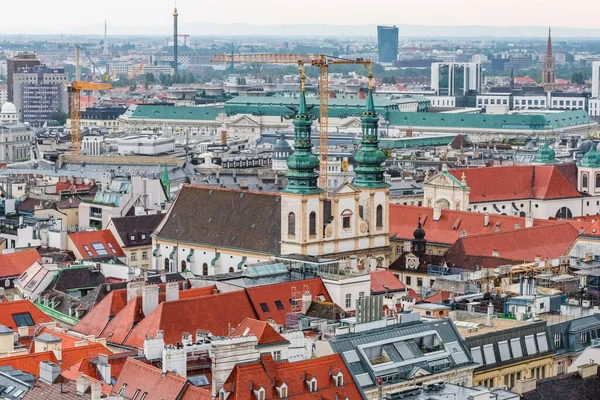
(85, 241)
(10, 308)
(143, 378)
(214, 313)
(136, 230)
(146, 111)
(519, 182)
(14, 264)
(270, 374)
(385, 281)
(263, 331)
(94, 322)
(438, 297)
(404, 219)
(77, 277)
(525, 244)
(275, 301)
(31, 362)
(63, 389)
(565, 387)
(218, 217)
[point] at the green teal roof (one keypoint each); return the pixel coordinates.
(408, 142)
(146, 111)
(279, 105)
(591, 159)
(545, 155)
(538, 122)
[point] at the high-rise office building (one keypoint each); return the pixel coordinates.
(387, 42)
(455, 79)
(38, 92)
(22, 60)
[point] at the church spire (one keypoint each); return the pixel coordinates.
(549, 70)
(166, 182)
(302, 164)
(368, 171)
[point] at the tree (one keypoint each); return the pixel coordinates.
(578, 78)
(59, 116)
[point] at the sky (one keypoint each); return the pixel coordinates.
(154, 16)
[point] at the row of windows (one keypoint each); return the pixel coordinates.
(346, 223)
(584, 180)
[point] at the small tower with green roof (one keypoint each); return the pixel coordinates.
(588, 177)
(545, 155)
(302, 199)
(166, 182)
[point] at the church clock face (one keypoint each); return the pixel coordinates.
(412, 263)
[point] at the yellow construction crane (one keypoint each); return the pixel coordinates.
(316, 60)
(75, 89)
(136, 71)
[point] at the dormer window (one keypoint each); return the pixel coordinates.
(312, 384)
(339, 379)
(260, 394)
(283, 391)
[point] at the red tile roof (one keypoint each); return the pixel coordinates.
(269, 374)
(158, 386)
(266, 297)
(404, 219)
(31, 362)
(385, 281)
(14, 264)
(505, 183)
(88, 367)
(263, 331)
(105, 237)
(72, 188)
(94, 322)
(438, 297)
(215, 313)
(526, 244)
(10, 308)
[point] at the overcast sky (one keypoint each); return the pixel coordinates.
(128, 16)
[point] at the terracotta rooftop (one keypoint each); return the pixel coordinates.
(96, 244)
(269, 374)
(14, 264)
(520, 182)
(263, 331)
(385, 281)
(20, 308)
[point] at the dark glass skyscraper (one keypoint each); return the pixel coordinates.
(387, 41)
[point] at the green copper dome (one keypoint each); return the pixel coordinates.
(591, 159)
(368, 172)
(545, 155)
(302, 163)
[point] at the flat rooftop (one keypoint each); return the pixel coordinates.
(473, 324)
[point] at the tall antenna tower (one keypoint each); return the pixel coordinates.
(105, 52)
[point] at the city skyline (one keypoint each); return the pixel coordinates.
(70, 19)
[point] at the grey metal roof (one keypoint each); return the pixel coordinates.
(47, 338)
(14, 383)
(5, 329)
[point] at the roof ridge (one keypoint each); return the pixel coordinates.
(190, 185)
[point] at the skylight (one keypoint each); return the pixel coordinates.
(100, 249)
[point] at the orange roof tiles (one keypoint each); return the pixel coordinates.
(263, 331)
(215, 313)
(505, 183)
(274, 301)
(10, 308)
(404, 219)
(385, 281)
(526, 244)
(143, 378)
(14, 264)
(95, 321)
(269, 374)
(438, 297)
(84, 240)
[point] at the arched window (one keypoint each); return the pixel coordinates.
(167, 263)
(346, 219)
(597, 181)
(205, 269)
(564, 212)
(312, 223)
(584, 181)
(183, 265)
(291, 223)
(231, 270)
(379, 216)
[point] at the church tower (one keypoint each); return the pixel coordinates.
(302, 199)
(549, 70)
(369, 180)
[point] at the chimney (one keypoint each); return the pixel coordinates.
(149, 299)
(200, 335)
(587, 370)
(7, 340)
(529, 221)
(517, 226)
(186, 339)
(243, 183)
(521, 286)
(306, 301)
(174, 360)
(354, 263)
(104, 368)
(495, 253)
(153, 347)
(523, 386)
(224, 137)
(23, 331)
(96, 391)
(486, 219)
(49, 372)
(437, 212)
(172, 291)
(490, 315)
(123, 392)
(83, 384)
(134, 289)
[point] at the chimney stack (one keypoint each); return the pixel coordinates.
(96, 391)
(149, 299)
(83, 384)
(486, 219)
(104, 368)
(490, 315)
(529, 221)
(172, 291)
(306, 301)
(437, 212)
